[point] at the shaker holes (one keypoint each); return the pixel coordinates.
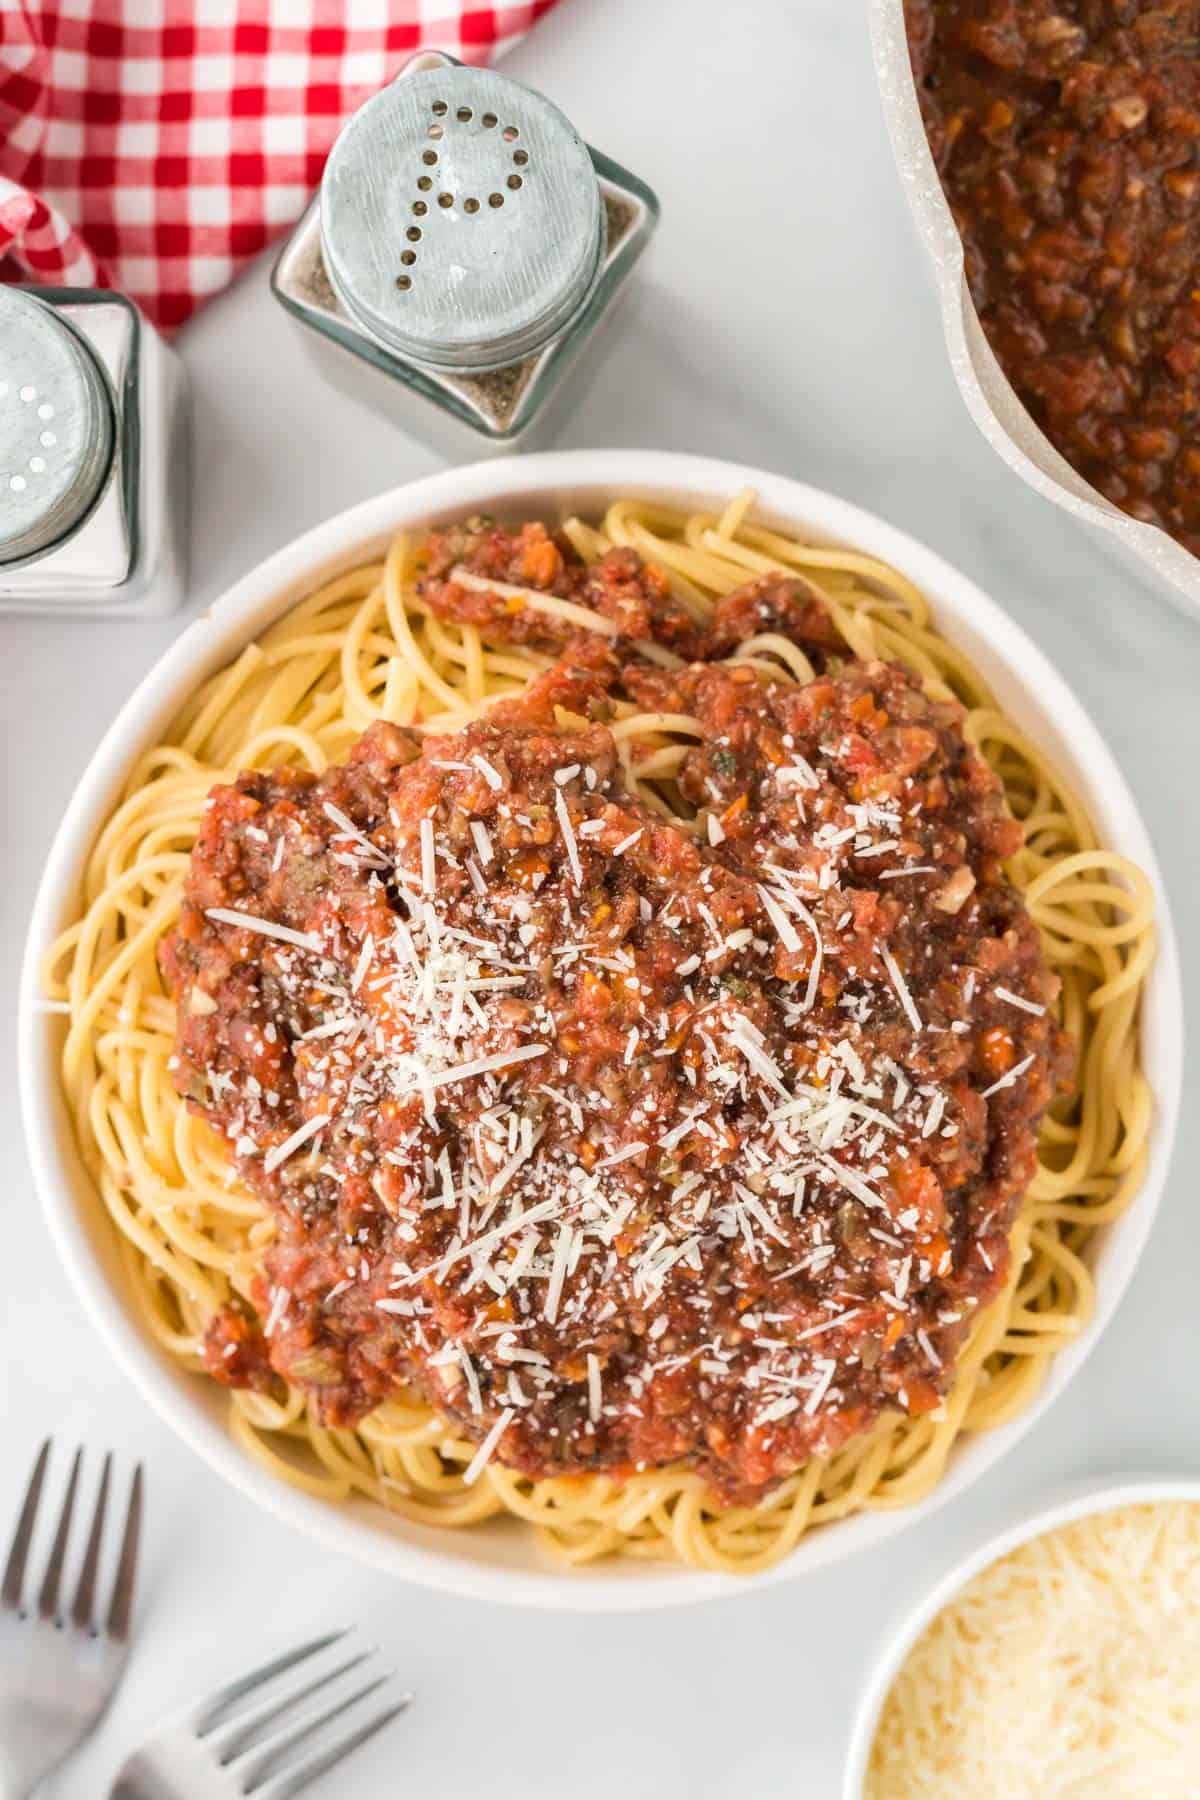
(446, 200)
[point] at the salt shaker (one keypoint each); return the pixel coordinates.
(461, 254)
(92, 456)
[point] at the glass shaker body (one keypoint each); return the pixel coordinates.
(475, 371)
(93, 456)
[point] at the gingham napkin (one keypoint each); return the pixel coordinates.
(156, 145)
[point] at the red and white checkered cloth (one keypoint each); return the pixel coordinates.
(156, 145)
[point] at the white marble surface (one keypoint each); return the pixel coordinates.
(784, 319)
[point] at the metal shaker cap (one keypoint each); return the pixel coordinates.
(461, 219)
(56, 428)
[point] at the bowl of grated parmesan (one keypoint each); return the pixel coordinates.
(1062, 1657)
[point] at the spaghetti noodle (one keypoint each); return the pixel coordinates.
(369, 647)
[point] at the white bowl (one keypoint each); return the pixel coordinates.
(1080, 1503)
(498, 1561)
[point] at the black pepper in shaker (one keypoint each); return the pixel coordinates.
(466, 243)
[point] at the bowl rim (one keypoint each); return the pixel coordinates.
(244, 610)
(1077, 1501)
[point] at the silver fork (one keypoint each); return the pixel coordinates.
(272, 1748)
(57, 1672)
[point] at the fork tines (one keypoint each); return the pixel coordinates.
(116, 1624)
(278, 1745)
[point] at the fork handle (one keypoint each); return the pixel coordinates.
(137, 1782)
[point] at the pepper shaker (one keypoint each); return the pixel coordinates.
(461, 254)
(92, 476)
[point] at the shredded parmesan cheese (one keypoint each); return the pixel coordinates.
(228, 915)
(789, 936)
(299, 1137)
(1029, 1006)
(490, 775)
(1069, 1668)
(428, 858)
(482, 1456)
(1010, 1080)
(482, 1064)
(564, 825)
(545, 603)
(363, 963)
(901, 986)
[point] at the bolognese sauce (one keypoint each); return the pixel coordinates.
(1066, 134)
(627, 1133)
